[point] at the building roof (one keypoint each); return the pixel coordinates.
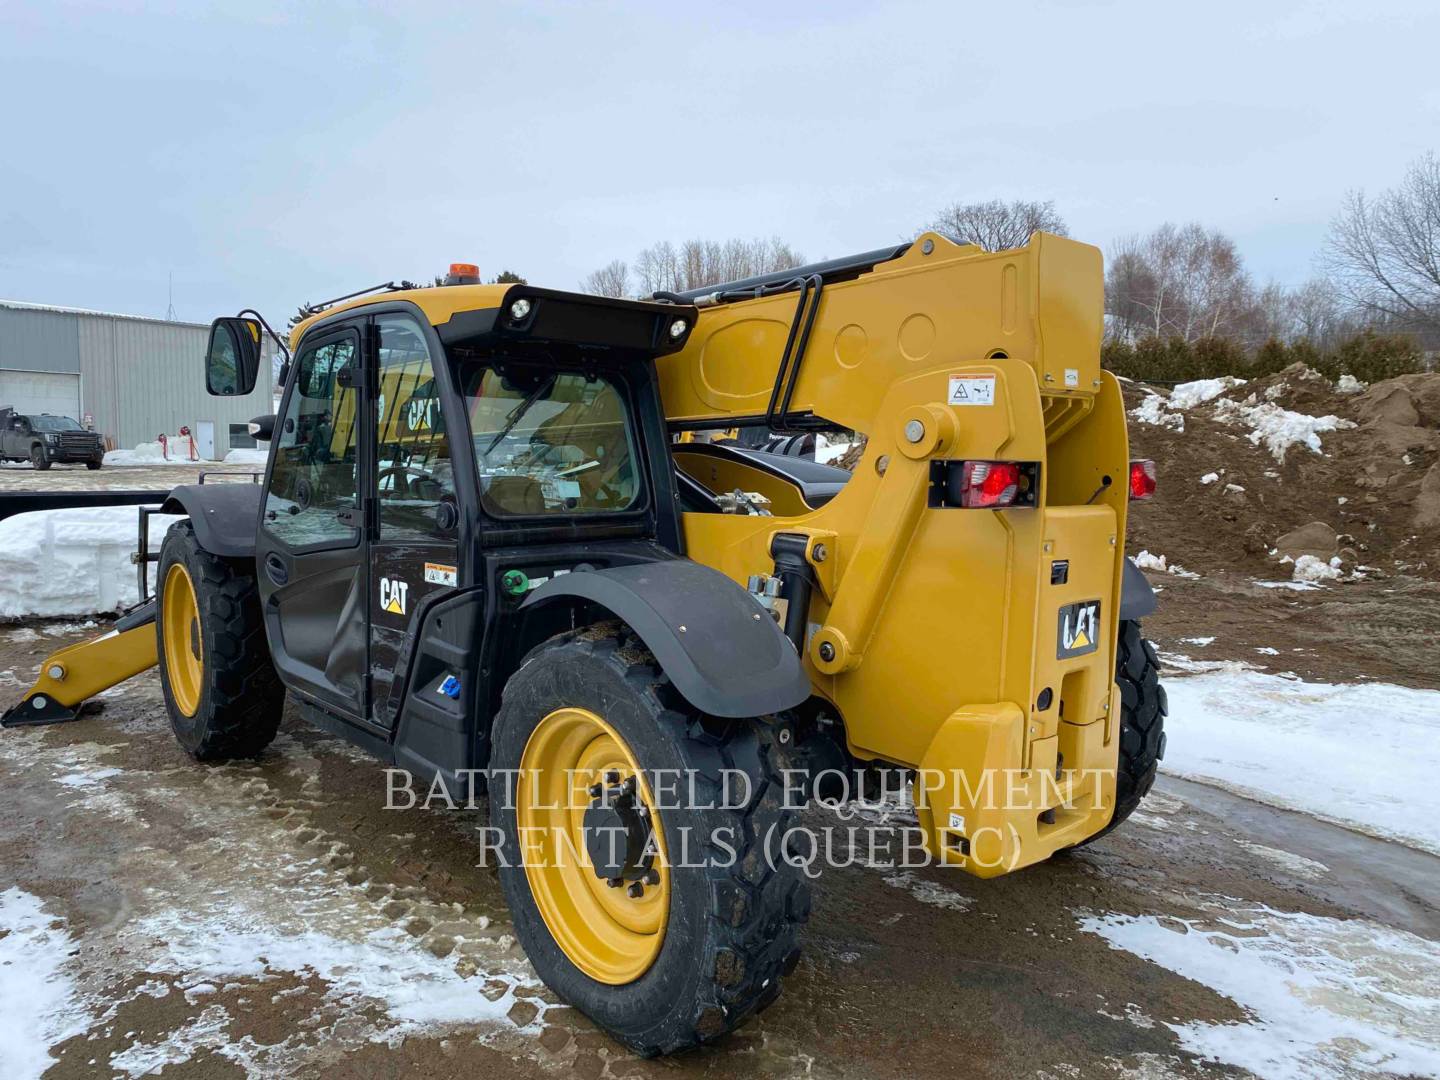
(22, 305)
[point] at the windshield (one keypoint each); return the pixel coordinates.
(550, 442)
(54, 423)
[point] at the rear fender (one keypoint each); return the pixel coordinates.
(719, 649)
(1137, 598)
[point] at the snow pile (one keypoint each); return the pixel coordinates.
(1311, 568)
(1188, 395)
(1159, 564)
(1348, 384)
(1324, 997)
(153, 453)
(72, 562)
(1293, 744)
(37, 997)
(1276, 428)
(242, 456)
(1152, 411)
(1210, 478)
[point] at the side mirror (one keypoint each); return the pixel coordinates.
(262, 428)
(232, 361)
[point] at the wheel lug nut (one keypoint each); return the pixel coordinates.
(612, 777)
(652, 877)
(635, 891)
(594, 791)
(614, 882)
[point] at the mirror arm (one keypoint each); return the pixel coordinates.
(284, 351)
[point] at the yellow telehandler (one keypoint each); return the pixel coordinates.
(484, 546)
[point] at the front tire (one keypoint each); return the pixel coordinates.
(693, 953)
(39, 458)
(94, 463)
(221, 690)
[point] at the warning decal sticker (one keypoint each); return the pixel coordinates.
(440, 574)
(972, 390)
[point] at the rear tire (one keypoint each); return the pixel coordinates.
(94, 463)
(39, 458)
(729, 933)
(221, 690)
(1143, 708)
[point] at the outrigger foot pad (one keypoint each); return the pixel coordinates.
(39, 709)
(71, 677)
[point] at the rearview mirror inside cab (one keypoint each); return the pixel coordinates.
(232, 362)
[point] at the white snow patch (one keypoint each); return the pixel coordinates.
(1201, 641)
(1188, 395)
(1297, 586)
(175, 451)
(826, 451)
(1325, 997)
(72, 562)
(929, 892)
(1210, 478)
(1158, 563)
(1310, 568)
(1296, 864)
(1152, 411)
(1276, 428)
(1233, 489)
(1348, 384)
(38, 1006)
(1239, 728)
(246, 456)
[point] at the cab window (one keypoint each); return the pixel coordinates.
(312, 495)
(414, 474)
(550, 442)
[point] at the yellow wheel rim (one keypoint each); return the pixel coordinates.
(184, 646)
(608, 934)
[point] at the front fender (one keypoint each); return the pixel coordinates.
(703, 630)
(224, 516)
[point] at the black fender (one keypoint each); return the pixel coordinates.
(703, 630)
(224, 516)
(1137, 599)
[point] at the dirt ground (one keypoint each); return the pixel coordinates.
(158, 869)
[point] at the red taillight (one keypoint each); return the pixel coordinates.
(1142, 479)
(989, 483)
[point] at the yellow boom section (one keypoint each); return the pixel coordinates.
(934, 631)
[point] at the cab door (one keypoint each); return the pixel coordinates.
(414, 554)
(312, 547)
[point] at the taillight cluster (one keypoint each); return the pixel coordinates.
(988, 484)
(984, 485)
(1142, 479)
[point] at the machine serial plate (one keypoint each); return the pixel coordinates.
(1079, 629)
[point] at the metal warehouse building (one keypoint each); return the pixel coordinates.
(136, 377)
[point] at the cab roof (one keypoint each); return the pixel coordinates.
(438, 304)
(481, 314)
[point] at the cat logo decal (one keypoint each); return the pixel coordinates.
(1079, 629)
(393, 595)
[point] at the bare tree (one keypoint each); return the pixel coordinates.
(696, 264)
(997, 225)
(613, 279)
(1179, 281)
(1385, 252)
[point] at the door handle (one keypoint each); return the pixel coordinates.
(276, 569)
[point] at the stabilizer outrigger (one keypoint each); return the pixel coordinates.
(73, 675)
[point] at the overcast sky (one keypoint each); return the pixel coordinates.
(268, 155)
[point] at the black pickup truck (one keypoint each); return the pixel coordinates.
(45, 439)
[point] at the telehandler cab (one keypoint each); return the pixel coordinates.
(484, 543)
